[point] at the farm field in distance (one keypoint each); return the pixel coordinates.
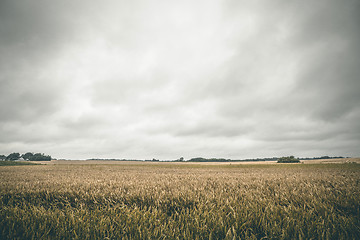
(146, 200)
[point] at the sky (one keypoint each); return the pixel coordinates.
(167, 79)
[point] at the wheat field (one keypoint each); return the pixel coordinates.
(180, 201)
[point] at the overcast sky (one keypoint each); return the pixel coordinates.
(168, 79)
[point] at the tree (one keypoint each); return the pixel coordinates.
(40, 157)
(2, 157)
(27, 156)
(13, 156)
(290, 159)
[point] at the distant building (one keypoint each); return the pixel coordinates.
(20, 160)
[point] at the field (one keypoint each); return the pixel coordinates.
(138, 200)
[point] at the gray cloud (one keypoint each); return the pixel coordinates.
(230, 79)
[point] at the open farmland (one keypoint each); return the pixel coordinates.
(138, 200)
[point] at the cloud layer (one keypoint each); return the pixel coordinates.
(233, 79)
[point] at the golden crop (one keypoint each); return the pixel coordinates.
(180, 201)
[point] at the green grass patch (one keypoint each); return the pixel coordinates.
(13, 163)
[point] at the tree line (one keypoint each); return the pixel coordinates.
(29, 156)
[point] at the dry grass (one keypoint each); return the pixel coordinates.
(93, 200)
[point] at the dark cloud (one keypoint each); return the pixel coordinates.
(32, 35)
(33, 31)
(329, 40)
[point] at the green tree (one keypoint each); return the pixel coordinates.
(13, 156)
(27, 156)
(290, 159)
(40, 157)
(2, 157)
